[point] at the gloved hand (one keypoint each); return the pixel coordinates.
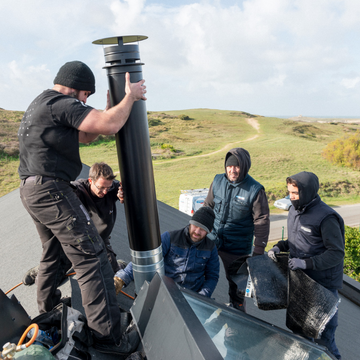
(272, 252)
(296, 263)
(119, 283)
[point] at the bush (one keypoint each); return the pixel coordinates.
(344, 151)
(352, 253)
(168, 147)
(184, 117)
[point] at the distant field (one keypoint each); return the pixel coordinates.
(186, 147)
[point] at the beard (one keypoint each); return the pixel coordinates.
(195, 238)
(74, 94)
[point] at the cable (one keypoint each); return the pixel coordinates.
(23, 336)
(73, 273)
(127, 295)
(13, 288)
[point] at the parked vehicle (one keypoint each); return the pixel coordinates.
(192, 200)
(283, 204)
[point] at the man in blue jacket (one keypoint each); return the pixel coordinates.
(315, 241)
(190, 258)
(241, 212)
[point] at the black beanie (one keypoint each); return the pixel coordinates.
(76, 75)
(204, 218)
(232, 160)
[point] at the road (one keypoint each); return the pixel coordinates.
(278, 225)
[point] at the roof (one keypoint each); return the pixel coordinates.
(21, 250)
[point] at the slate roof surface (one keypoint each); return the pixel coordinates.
(21, 250)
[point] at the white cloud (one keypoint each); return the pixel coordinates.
(350, 83)
(255, 55)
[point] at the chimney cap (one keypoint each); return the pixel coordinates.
(117, 40)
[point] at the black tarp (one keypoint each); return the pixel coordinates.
(309, 305)
(270, 281)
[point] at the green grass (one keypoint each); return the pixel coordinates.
(278, 152)
(280, 148)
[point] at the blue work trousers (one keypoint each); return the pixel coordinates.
(328, 335)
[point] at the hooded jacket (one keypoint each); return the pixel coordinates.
(241, 209)
(315, 234)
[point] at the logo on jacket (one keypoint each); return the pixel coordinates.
(305, 229)
(240, 197)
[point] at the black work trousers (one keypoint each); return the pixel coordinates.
(237, 300)
(63, 224)
(66, 263)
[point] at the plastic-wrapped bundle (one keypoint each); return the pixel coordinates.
(311, 306)
(270, 281)
(241, 274)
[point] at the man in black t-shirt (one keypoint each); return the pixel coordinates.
(49, 135)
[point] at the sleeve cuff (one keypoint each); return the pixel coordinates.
(309, 263)
(258, 250)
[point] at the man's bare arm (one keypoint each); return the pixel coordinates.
(111, 121)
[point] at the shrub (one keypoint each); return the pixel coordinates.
(352, 253)
(184, 117)
(154, 122)
(168, 147)
(344, 151)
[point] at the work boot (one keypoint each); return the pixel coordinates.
(128, 344)
(122, 264)
(30, 276)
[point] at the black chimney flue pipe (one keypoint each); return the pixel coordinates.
(135, 161)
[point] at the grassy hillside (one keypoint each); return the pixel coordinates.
(189, 148)
(9, 150)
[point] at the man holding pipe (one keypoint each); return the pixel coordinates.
(49, 135)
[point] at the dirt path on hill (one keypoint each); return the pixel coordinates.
(252, 122)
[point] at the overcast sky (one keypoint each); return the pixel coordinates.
(266, 57)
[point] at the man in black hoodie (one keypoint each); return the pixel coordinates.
(241, 211)
(315, 241)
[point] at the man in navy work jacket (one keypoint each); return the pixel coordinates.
(315, 241)
(49, 135)
(241, 212)
(190, 258)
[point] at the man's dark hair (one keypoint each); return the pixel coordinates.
(101, 170)
(291, 181)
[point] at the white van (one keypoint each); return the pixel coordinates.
(191, 200)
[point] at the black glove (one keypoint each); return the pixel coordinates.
(296, 263)
(272, 252)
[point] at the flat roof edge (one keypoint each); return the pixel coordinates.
(351, 289)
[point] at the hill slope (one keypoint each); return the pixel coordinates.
(189, 146)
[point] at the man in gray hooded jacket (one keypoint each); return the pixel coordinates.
(315, 241)
(241, 211)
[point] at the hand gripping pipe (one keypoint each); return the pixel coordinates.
(135, 161)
